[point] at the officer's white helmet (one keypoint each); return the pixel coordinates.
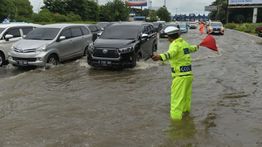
(171, 30)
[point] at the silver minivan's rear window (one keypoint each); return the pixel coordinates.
(43, 34)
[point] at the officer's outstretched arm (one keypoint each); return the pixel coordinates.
(168, 55)
(193, 48)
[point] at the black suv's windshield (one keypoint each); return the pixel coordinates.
(43, 34)
(1, 30)
(121, 32)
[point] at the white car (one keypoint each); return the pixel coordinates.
(215, 28)
(11, 33)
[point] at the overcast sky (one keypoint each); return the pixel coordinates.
(174, 6)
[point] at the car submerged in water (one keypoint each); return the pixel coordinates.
(183, 27)
(10, 34)
(215, 28)
(51, 44)
(122, 45)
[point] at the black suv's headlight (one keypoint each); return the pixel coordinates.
(91, 48)
(125, 50)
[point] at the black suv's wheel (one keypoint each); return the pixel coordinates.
(134, 59)
(2, 59)
(52, 59)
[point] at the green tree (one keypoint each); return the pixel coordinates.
(24, 10)
(146, 12)
(87, 9)
(114, 11)
(152, 15)
(220, 13)
(7, 9)
(163, 14)
(44, 16)
(56, 6)
(73, 17)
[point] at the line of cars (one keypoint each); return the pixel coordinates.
(121, 44)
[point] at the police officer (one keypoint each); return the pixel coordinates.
(180, 60)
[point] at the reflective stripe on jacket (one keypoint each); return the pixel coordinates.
(179, 57)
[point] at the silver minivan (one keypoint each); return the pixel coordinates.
(11, 33)
(51, 44)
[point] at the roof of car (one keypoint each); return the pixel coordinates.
(131, 23)
(61, 25)
(7, 25)
(91, 24)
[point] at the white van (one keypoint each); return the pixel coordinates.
(11, 33)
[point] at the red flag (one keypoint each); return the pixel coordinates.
(209, 42)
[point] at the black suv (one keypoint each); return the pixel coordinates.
(122, 45)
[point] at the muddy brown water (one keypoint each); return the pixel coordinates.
(74, 105)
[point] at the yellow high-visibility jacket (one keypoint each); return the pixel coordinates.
(179, 57)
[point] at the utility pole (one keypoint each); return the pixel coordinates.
(164, 3)
(227, 12)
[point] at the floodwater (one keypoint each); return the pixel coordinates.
(74, 105)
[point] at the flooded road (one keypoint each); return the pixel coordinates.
(74, 105)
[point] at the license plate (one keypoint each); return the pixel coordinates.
(104, 63)
(22, 62)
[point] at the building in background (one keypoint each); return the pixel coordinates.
(136, 9)
(252, 5)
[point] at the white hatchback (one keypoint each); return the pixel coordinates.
(11, 33)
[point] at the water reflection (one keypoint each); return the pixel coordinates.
(181, 130)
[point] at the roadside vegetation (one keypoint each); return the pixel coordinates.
(55, 11)
(245, 27)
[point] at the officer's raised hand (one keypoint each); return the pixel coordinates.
(156, 57)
